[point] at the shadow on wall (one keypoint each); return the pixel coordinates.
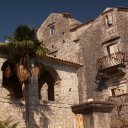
(100, 82)
(38, 116)
(38, 110)
(110, 76)
(47, 89)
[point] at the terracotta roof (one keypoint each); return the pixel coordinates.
(56, 59)
(49, 57)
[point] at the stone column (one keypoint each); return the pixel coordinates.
(96, 113)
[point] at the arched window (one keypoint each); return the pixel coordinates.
(47, 84)
(10, 80)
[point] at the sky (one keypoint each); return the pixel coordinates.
(34, 12)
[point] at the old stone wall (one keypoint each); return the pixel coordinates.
(68, 84)
(12, 109)
(44, 113)
(95, 41)
(78, 43)
(55, 116)
(92, 41)
(91, 50)
(58, 113)
(119, 113)
(122, 23)
(60, 44)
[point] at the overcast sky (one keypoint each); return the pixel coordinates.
(34, 12)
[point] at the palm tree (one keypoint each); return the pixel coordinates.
(23, 47)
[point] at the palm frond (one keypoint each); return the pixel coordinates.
(23, 32)
(24, 45)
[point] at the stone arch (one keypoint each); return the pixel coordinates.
(49, 84)
(10, 80)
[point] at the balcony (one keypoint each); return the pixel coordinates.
(113, 60)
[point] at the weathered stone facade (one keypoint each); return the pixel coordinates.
(101, 44)
(86, 62)
(61, 42)
(44, 113)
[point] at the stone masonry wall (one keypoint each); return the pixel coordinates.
(85, 44)
(120, 112)
(55, 116)
(91, 50)
(68, 82)
(58, 113)
(122, 23)
(52, 114)
(60, 44)
(12, 109)
(94, 42)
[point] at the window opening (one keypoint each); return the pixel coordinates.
(46, 87)
(48, 84)
(109, 20)
(117, 91)
(52, 30)
(111, 49)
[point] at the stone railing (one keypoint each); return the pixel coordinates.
(111, 60)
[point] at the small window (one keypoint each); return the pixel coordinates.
(52, 30)
(112, 49)
(109, 20)
(118, 91)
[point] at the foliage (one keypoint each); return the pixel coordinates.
(8, 123)
(22, 47)
(24, 42)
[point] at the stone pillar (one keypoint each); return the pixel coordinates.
(96, 113)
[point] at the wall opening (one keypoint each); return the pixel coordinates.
(52, 30)
(109, 20)
(113, 48)
(47, 84)
(118, 90)
(10, 80)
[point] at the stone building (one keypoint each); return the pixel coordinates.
(85, 70)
